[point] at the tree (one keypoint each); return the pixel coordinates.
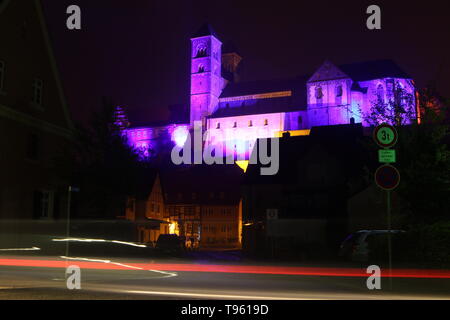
(398, 109)
(423, 159)
(106, 168)
(424, 162)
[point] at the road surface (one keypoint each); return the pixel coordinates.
(33, 277)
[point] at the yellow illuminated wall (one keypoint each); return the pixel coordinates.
(294, 133)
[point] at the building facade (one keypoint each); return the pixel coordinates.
(203, 204)
(35, 124)
(147, 210)
(234, 114)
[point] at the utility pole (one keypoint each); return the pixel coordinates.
(387, 176)
(389, 236)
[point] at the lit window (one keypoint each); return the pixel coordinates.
(235, 125)
(2, 75)
(266, 122)
(37, 92)
(250, 123)
(218, 125)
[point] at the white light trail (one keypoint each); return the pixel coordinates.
(22, 249)
(100, 240)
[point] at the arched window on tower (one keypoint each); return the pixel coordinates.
(201, 68)
(201, 51)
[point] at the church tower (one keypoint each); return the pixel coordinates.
(206, 77)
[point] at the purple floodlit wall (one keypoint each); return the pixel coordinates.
(386, 85)
(333, 102)
(238, 134)
(332, 99)
(329, 102)
(297, 120)
(334, 92)
(153, 140)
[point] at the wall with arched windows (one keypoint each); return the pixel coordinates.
(238, 134)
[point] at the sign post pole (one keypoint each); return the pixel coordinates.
(389, 236)
(387, 177)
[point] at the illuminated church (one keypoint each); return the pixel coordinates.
(237, 113)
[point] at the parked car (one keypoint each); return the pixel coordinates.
(170, 243)
(365, 245)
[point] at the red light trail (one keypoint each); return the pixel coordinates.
(279, 270)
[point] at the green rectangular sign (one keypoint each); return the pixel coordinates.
(386, 156)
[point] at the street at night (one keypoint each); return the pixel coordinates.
(235, 158)
(218, 284)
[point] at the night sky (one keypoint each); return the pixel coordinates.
(137, 51)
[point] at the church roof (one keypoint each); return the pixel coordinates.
(297, 84)
(362, 71)
(205, 30)
(371, 70)
(297, 101)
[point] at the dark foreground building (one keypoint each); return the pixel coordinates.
(302, 210)
(35, 124)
